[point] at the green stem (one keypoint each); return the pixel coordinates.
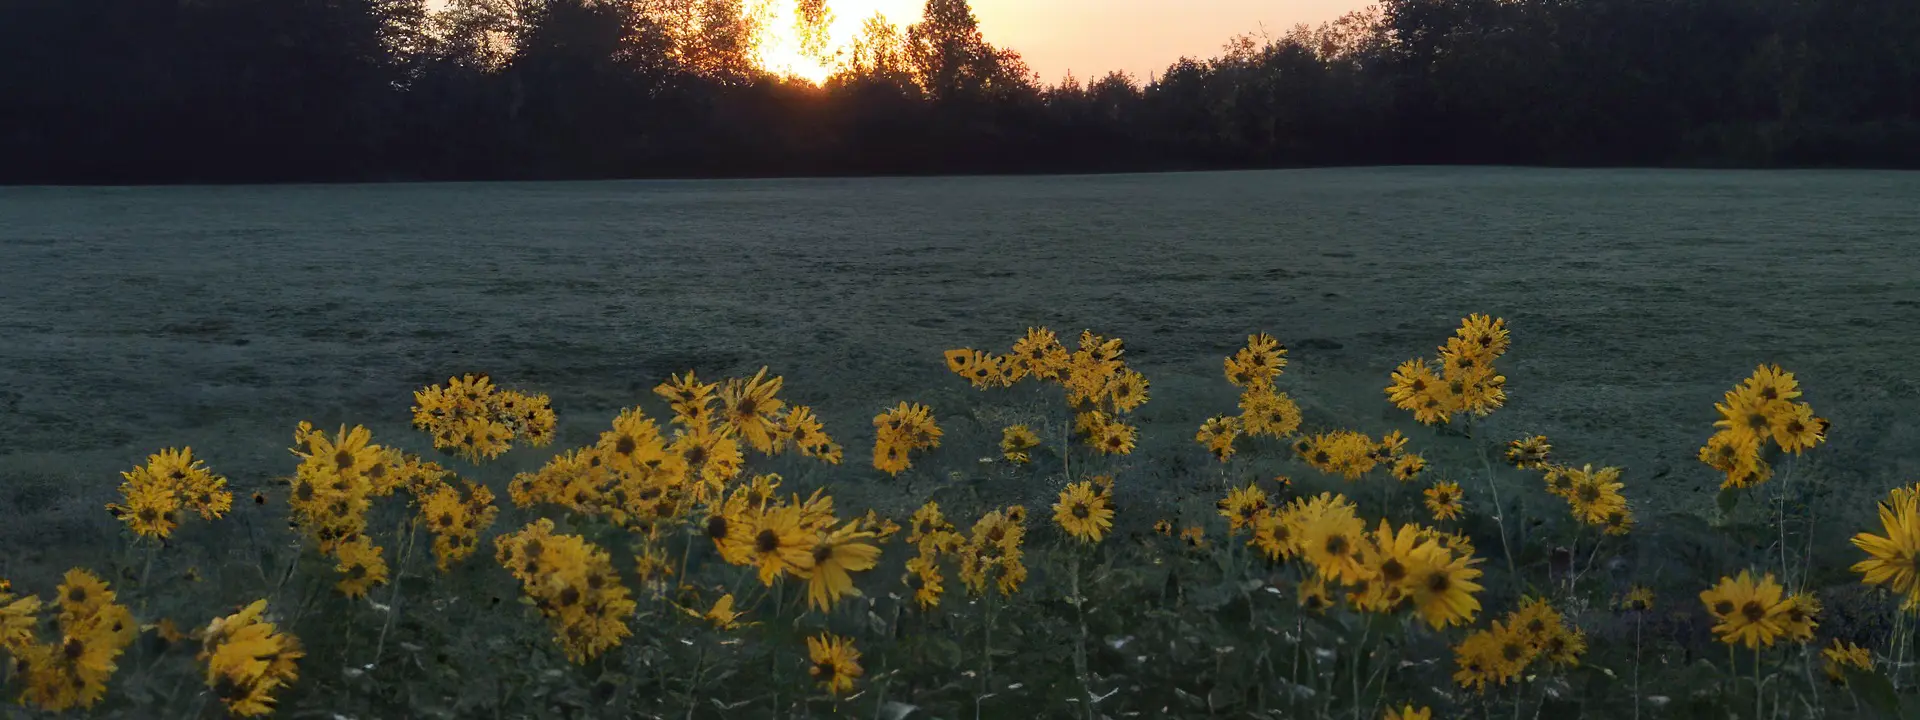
(1080, 648)
(1493, 488)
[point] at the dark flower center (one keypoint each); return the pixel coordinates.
(1392, 571)
(767, 541)
(1752, 611)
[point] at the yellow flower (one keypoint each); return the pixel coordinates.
(1195, 537)
(249, 660)
(1842, 655)
(890, 455)
(1218, 434)
(1595, 494)
(1412, 390)
(1332, 543)
(775, 543)
(1893, 557)
(1799, 430)
(1276, 534)
(1040, 354)
(749, 407)
(1015, 441)
(1408, 712)
(1480, 662)
(361, 567)
(836, 664)
(1409, 467)
(1258, 363)
(1748, 413)
(1242, 505)
(721, 616)
(1443, 500)
(1116, 438)
(1313, 594)
(927, 522)
(1487, 334)
(1163, 527)
(1083, 512)
(1748, 611)
(151, 508)
(1442, 585)
(710, 454)
(1127, 390)
(1266, 412)
(633, 443)
(690, 399)
(1801, 614)
(1639, 598)
(1532, 453)
(923, 577)
(827, 564)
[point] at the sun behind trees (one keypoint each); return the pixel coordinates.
(478, 89)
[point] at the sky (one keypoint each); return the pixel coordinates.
(1086, 37)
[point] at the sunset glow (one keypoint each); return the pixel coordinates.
(779, 48)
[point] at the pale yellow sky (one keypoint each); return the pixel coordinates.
(1088, 37)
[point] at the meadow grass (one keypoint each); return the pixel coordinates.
(693, 563)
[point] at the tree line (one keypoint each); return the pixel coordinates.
(139, 91)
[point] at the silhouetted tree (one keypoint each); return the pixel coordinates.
(265, 90)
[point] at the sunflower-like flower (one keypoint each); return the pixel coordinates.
(172, 480)
(1083, 512)
(1408, 467)
(1408, 712)
(1242, 505)
(1040, 354)
(1127, 390)
(95, 629)
(1441, 585)
(927, 522)
(1264, 411)
(1748, 611)
(1115, 438)
(574, 584)
(361, 567)
(1894, 558)
(1444, 500)
(774, 543)
(900, 431)
(836, 664)
(825, 566)
(1595, 494)
(1530, 453)
(1015, 441)
(721, 616)
(456, 521)
(750, 407)
(249, 660)
(1257, 364)
(1217, 435)
(1332, 543)
(1345, 453)
(923, 577)
(690, 399)
(1194, 537)
(1840, 656)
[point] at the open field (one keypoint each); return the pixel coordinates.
(135, 319)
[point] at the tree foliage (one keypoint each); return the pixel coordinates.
(259, 90)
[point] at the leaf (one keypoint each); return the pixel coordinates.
(1874, 689)
(1728, 499)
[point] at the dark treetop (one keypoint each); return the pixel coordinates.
(160, 91)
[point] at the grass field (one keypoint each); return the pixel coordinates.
(137, 319)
